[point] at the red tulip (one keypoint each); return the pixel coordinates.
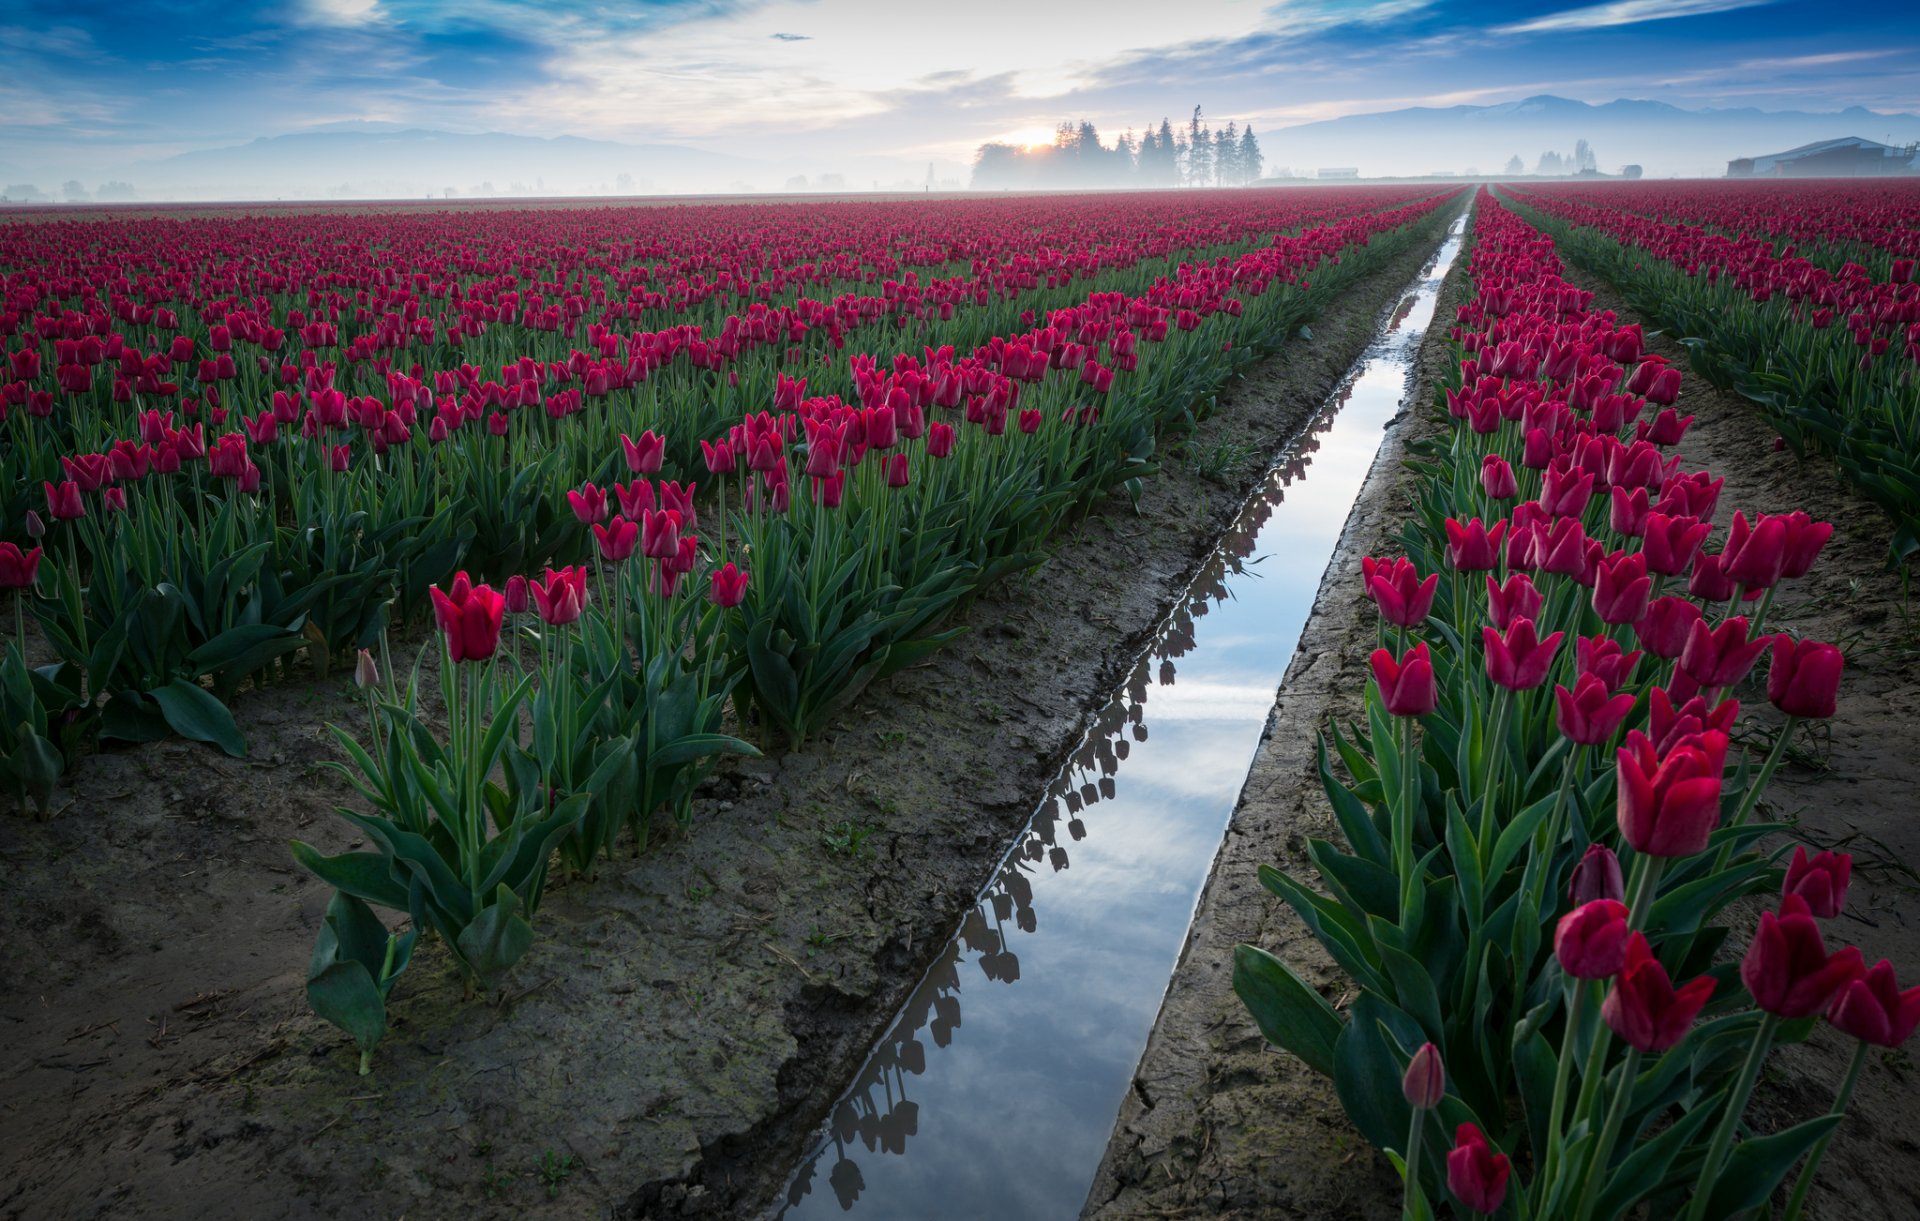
(1597, 876)
(18, 569)
(1477, 1175)
(560, 596)
(1425, 1082)
(516, 595)
(1820, 881)
(1565, 493)
(1519, 661)
(1663, 631)
(1787, 967)
(1805, 538)
(470, 618)
(1406, 684)
(729, 585)
(1669, 806)
(1591, 940)
(1588, 714)
(1621, 588)
(1473, 547)
(1602, 657)
(720, 457)
(1629, 511)
(1804, 677)
(1396, 588)
(1517, 599)
(1756, 555)
(617, 538)
(1497, 479)
(1643, 1008)
(1671, 543)
(63, 502)
(645, 455)
(1669, 725)
(1873, 1009)
(589, 504)
(1721, 656)
(660, 534)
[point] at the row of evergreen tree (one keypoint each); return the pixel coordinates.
(1196, 155)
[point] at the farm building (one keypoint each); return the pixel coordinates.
(1849, 157)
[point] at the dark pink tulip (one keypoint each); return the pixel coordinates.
(470, 618)
(1517, 599)
(589, 504)
(616, 538)
(1497, 479)
(1406, 683)
(1756, 554)
(1670, 724)
(560, 596)
(1721, 656)
(1591, 940)
(1473, 547)
(1476, 1175)
(1874, 1010)
(18, 569)
(1787, 968)
(1588, 714)
(1597, 876)
(1805, 538)
(1396, 587)
(728, 585)
(1668, 622)
(1644, 1008)
(1803, 679)
(1669, 805)
(1628, 511)
(660, 534)
(1621, 588)
(63, 502)
(1425, 1081)
(1602, 657)
(1820, 880)
(644, 455)
(1519, 660)
(1671, 543)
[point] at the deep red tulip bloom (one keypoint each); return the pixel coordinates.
(1588, 714)
(1591, 940)
(1820, 880)
(1643, 1008)
(1787, 967)
(470, 618)
(1406, 683)
(1515, 600)
(18, 569)
(560, 596)
(589, 504)
(1629, 511)
(1565, 493)
(720, 457)
(1721, 656)
(645, 455)
(1668, 806)
(516, 594)
(940, 438)
(617, 538)
(1425, 1082)
(1602, 657)
(660, 534)
(1519, 660)
(1756, 554)
(1597, 876)
(1476, 1175)
(1664, 629)
(1671, 543)
(63, 502)
(1669, 724)
(1805, 538)
(1497, 479)
(1873, 1009)
(1396, 588)
(728, 585)
(1621, 588)
(1804, 677)
(1473, 547)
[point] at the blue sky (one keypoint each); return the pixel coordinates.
(91, 82)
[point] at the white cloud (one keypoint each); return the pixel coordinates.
(1624, 12)
(342, 12)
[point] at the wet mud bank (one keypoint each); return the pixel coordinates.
(1219, 1124)
(684, 1020)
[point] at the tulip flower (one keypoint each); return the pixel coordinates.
(1406, 684)
(1597, 876)
(560, 596)
(1519, 660)
(1425, 1082)
(1668, 806)
(366, 675)
(1804, 677)
(1396, 588)
(1589, 715)
(1721, 656)
(1670, 723)
(1873, 1009)
(1621, 588)
(1787, 968)
(1671, 543)
(1628, 511)
(1476, 1175)
(1820, 880)
(1591, 940)
(18, 569)
(1565, 493)
(616, 538)
(645, 455)
(1602, 657)
(1517, 599)
(63, 502)
(1665, 628)
(589, 504)
(470, 617)
(1805, 538)
(728, 585)
(1497, 478)
(1756, 554)
(1473, 547)
(1644, 1008)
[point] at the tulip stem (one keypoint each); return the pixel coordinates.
(1409, 798)
(1736, 1105)
(1413, 1164)
(1840, 1101)
(1774, 756)
(1616, 1115)
(1495, 746)
(1551, 1154)
(1641, 890)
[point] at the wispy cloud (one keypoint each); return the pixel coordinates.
(1624, 12)
(793, 37)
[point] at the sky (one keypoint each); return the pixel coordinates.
(92, 86)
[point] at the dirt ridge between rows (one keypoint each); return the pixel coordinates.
(682, 1021)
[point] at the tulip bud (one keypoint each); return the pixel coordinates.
(1425, 1082)
(366, 674)
(36, 528)
(1591, 940)
(1406, 684)
(1475, 1173)
(1820, 881)
(1874, 1010)
(1804, 677)
(1597, 876)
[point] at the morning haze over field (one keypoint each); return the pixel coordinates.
(412, 98)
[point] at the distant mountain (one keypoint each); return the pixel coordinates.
(388, 161)
(1664, 139)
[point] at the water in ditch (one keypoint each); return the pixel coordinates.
(994, 1090)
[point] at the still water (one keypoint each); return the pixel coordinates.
(994, 1091)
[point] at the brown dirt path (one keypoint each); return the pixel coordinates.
(682, 1022)
(1222, 1125)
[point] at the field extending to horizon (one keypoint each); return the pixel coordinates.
(546, 709)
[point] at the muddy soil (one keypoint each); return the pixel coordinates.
(684, 1019)
(1221, 1124)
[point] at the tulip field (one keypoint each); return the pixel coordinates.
(1547, 834)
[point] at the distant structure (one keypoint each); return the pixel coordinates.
(1630, 171)
(1848, 157)
(1339, 171)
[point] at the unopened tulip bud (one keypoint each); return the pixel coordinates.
(1425, 1083)
(366, 674)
